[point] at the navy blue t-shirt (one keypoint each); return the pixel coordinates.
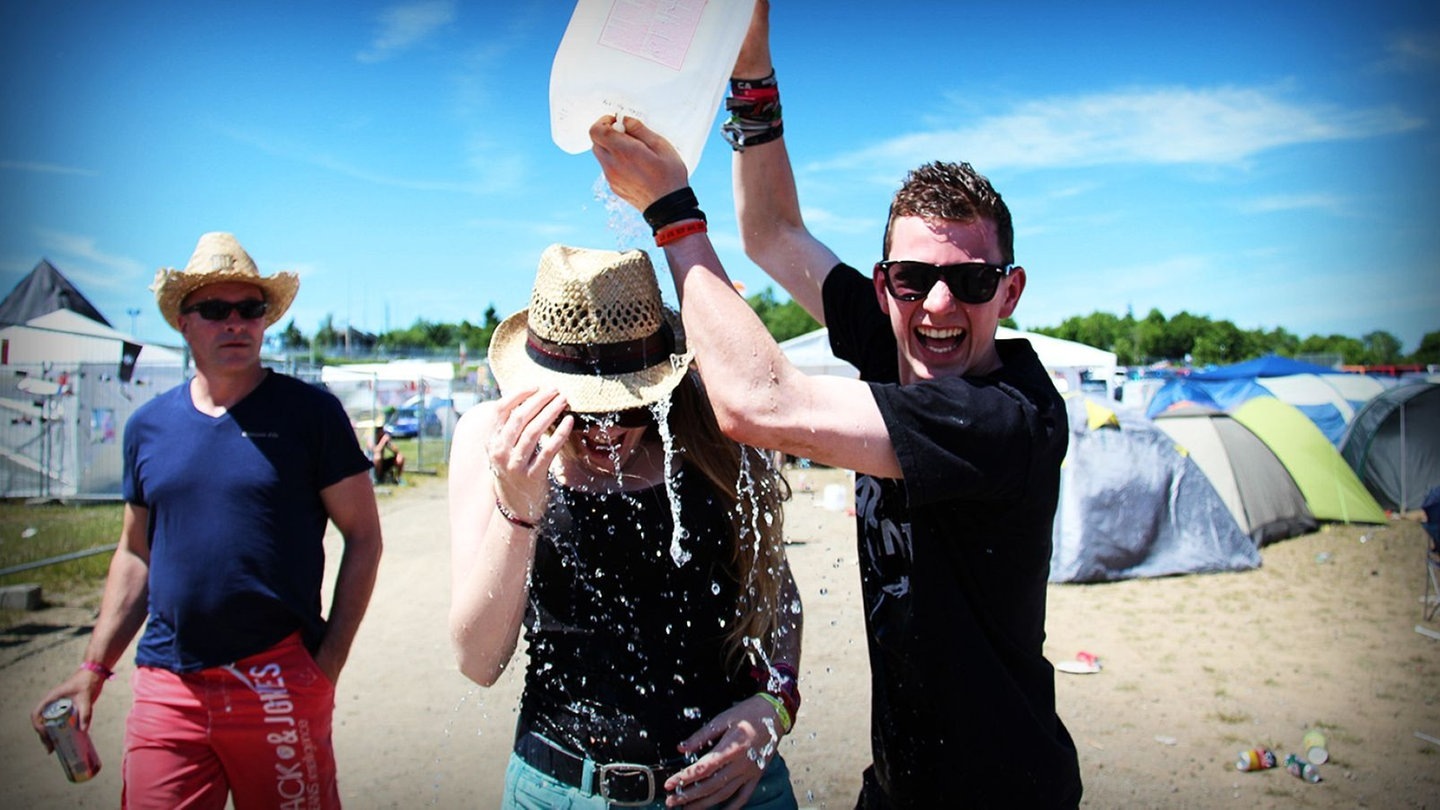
(236, 524)
(954, 559)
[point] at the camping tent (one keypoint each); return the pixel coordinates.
(1331, 489)
(1249, 478)
(1131, 506)
(1394, 444)
(1327, 397)
(1064, 359)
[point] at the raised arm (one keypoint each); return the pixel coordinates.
(500, 454)
(759, 397)
(767, 204)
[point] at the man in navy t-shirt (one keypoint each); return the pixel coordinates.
(956, 439)
(230, 481)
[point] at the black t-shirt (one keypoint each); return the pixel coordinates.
(954, 560)
(627, 647)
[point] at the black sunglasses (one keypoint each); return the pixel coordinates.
(630, 418)
(216, 310)
(971, 282)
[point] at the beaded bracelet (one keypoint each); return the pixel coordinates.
(512, 518)
(97, 668)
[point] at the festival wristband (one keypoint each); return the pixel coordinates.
(678, 231)
(97, 668)
(786, 723)
(512, 518)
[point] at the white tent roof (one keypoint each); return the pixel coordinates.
(395, 371)
(64, 336)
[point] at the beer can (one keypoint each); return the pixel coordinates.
(1301, 769)
(72, 745)
(1316, 747)
(1255, 759)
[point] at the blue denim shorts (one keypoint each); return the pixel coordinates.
(528, 789)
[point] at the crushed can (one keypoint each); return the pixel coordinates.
(1301, 769)
(72, 745)
(1255, 759)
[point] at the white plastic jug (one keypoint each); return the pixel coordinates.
(664, 62)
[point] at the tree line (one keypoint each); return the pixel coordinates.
(1183, 338)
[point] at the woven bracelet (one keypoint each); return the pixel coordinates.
(512, 518)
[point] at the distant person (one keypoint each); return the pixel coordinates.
(957, 439)
(229, 481)
(386, 458)
(647, 642)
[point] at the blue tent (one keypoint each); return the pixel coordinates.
(1271, 365)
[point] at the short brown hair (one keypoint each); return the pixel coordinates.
(953, 191)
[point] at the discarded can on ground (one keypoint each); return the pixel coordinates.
(72, 745)
(1255, 759)
(1301, 769)
(1316, 750)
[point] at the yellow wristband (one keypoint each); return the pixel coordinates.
(780, 710)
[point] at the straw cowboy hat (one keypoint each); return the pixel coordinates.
(595, 330)
(218, 257)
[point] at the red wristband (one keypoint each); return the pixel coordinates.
(98, 669)
(680, 230)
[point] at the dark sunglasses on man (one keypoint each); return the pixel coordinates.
(214, 309)
(971, 282)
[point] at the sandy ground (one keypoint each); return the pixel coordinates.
(1194, 670)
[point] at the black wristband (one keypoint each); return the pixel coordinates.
(678, 205)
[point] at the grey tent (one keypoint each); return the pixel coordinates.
(1132, 506)
(1249, 477)
(1393, 444)
(42, 292)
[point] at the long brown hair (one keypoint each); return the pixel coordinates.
(757, 520)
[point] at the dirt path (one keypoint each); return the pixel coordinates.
(1194, 669)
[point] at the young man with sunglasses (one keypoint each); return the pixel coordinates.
(230, 480)
(957, 440)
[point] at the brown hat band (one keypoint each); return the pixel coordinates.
(625, 357)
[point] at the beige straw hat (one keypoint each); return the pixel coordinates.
(595, 330)
(218, 257)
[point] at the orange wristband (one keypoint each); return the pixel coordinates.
(679, 230)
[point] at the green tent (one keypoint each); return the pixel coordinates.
(1331, 488)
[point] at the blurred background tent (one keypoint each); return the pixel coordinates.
(1245, 472)
(1393, 444)
(1132, 506)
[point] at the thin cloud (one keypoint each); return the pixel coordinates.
(1295, 202)
(87, 265)
(1164, 126)
(404, 26)
(45, 168)
(1412, 52)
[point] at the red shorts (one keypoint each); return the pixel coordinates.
(258, 728)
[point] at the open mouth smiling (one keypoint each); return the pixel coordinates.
(940, 341)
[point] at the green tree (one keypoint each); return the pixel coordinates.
(292, 338)
(1428, 352)
(783, 321)
(1381, 349)
(326, 337)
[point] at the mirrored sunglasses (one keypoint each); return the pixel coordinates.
(630, 418)
(971, 282)
(216, 310)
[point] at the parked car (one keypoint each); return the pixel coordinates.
(404, 423)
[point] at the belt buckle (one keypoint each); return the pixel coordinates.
(604, 772)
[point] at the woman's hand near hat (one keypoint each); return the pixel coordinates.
(522, 447)
(639, 164)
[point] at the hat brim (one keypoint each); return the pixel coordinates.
(171, 286)
(513, 369)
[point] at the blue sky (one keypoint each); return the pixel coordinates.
(1272, 164)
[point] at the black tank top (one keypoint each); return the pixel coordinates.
(626, 648)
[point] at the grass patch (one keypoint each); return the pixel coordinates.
(32, 532)
(1233, 719)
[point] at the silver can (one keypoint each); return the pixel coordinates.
(72, 745)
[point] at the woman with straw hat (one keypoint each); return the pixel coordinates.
(598, 504)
